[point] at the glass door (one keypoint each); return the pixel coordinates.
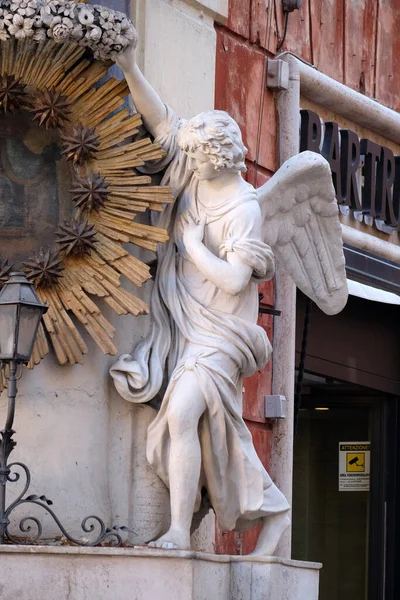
(345, 526)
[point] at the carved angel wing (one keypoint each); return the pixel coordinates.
(301, 224)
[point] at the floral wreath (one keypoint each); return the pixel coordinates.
(101, 29)
(64, 89)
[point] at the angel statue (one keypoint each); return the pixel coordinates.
(204, 338)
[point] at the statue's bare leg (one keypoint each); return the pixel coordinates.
(185, 408)
(273, 528)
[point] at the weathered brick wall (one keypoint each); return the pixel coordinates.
(352, 41)
(239, 73)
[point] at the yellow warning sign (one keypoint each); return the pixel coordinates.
(355, 463)
(354, 466)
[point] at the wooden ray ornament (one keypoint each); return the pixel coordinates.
(64, 89)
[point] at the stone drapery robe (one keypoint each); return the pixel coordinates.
(198, 327)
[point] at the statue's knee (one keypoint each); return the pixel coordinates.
(180, 423)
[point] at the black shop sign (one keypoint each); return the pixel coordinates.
(379, 194)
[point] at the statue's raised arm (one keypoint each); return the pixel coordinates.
(146, 100)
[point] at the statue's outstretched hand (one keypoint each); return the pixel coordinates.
(126, 60)
(145, 98)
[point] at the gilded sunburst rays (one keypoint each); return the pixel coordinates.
(68, 91)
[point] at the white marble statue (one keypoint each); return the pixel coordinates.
(203, 336)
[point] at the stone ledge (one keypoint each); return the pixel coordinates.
(217, 8)
(46, 572)
(143, 551)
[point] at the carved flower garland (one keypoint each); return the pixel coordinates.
(99, 28)
(60, 87)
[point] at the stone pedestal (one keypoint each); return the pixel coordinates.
(45, 573)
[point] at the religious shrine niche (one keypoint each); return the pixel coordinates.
(70, 189)
(35, 183)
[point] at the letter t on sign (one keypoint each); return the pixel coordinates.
(372, 153)
(350, 163)
(331, 151)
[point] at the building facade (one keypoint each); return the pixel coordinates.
(354, 44)
(204, 54)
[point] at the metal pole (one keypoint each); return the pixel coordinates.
(288, 103)
(6, 446)
(12, 393)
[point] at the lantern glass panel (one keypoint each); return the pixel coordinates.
(8, 321)
(29, 322)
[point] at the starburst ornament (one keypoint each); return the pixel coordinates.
(12, 94)
(72, 95)
(80, 144)
(44, 268)
(5, 270)
(51, 109)
(76, 238)
(89, 193)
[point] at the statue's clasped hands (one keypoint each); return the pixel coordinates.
(193, 230)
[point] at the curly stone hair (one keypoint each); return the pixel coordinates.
(216, 134)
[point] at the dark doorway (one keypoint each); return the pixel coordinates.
(352, 369)
(351, 532)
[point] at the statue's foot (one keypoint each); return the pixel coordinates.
(174, 539)
(273, 528)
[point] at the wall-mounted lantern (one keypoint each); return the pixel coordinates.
(20, 315)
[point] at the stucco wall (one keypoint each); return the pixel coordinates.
(177, 50)
(82, 442)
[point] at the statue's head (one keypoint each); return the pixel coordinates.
(213, 142)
